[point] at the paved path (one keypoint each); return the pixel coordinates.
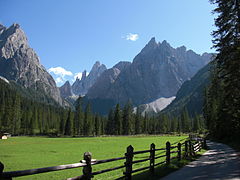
(220, 162)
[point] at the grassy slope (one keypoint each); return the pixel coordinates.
(20, 153)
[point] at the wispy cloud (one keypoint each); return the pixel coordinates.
(60, 75)
(79, 75)
(131, 37)
(60, 71)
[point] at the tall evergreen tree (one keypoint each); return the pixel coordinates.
(223, 96)
(117, 120)
(69, 124)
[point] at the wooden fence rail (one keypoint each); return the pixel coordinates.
(181, 150)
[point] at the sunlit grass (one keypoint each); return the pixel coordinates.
(20, 153)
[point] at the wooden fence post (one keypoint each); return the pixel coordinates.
(179, 151)
(168, 152)
(128, 163)
(1, 171)
(152, 157)
(87, 170)
(186, 149)
(204, 143)
(191, 150)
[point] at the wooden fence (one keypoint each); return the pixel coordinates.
(181, 150)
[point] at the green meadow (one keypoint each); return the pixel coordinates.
(21, 153)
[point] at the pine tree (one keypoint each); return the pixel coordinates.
(69, 124)
(117, 120)
(128, 125)
(110, 123)
(138, 122)
(224, 101)
(88, 125)
(79, 117)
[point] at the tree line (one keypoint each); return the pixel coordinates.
(222, 102)
(23, 116)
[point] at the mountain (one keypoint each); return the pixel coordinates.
(81, 86)
(191, 94)
(158, 71)
(66, 90)
(155, 106)
(20, 63)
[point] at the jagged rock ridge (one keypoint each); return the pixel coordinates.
(81, 86)
(19, 62)
(157, 71)
(66, 90)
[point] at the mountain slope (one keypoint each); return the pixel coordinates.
(19, 63)
(81, 86)
(191, 94)
(66, 90)
(157, 71)
(155, 106)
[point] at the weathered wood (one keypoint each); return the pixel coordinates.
(160, 149)
(107, 160)
(42, 170)
(152, 157)
(141, 152)
(168, 152)
(186, 149)
(142, 160)
(179, 151)
(1, 173)
(140, 169)
(87, 170)
(204, 143)
(160, 163)
(108, 170)
(160, 156)
(128, 163)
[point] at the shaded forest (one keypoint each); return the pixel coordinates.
(20, 115)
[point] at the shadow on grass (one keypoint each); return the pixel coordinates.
(163, 170)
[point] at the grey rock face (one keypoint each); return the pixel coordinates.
(157, 71)
(81, 87)
(66, 90)
(19, 62)
(105, 82)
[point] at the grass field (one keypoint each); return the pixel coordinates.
(21, 153)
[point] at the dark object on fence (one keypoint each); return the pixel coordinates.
(128, 163)
(168, 152)
(152, 157)
(179, 151)
(87, 170)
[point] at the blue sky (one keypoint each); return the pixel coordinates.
(73, 34)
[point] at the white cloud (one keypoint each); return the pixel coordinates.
(60, 75)
(59, 71)
(131, 37)
(59, 80)
(79, 75)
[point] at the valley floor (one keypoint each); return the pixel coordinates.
(220, 162)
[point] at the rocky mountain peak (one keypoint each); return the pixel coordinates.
(20, 63)
(84, 75)
(151, 45)
(66, 90)
(158, 71)
(11, 40)
(122, 65)
(81, 87)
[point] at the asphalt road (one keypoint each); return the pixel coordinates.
(220, 162)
